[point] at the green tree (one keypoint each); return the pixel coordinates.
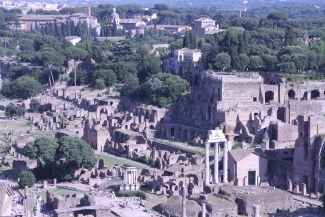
(76, 154)
(26, 178)
(50, 58)
(288, 67)
(24, 87)
(43, 150)
(100, 84)
(76, 54)
(222, 61)
(12, 110)
(131, 87)
(150, 65)
(278, 18)
(242, 62)
(34, 105)
(255, 62)
(114, 29)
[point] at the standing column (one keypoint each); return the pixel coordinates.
(256, 209)
(216, 163)
(204, 210)
(184, 201)
(225, 163)
(207, 166)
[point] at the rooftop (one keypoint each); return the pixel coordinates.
(239, 154)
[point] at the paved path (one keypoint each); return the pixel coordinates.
(307, 200)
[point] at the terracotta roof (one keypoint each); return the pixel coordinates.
(239, 154)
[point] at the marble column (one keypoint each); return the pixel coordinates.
(216, 163)
(184, 202)
(289, 187)
(256, 210)
(225, 163)
(204, 210)
(207, 165)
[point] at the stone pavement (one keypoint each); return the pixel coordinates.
(307, 200)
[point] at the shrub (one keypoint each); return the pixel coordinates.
(26, 178)
(132, 194)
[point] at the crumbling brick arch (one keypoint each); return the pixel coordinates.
(314, 94)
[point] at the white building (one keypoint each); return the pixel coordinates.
(136, 26)
(205, 26)
(73, 39)
(176, 65)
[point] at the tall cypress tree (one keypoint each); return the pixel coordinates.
(42, 30)
(245, 39)
(114, 30)
(109, 32)
(187, 40)
(184, 39)
(241, 45)
(72, 28)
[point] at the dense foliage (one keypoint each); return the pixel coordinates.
(59, 159)
(24, 87)
(14, 110)
(26, 178)
(132, 194)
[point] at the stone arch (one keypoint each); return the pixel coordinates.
(269, 96)
(192, 134)
(291, 94)
(180, 58)
(314, 94)
(152, 127)
(172, 132)
(184, 134)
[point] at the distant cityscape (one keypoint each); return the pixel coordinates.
(59, 4)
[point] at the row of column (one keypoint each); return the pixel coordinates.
(216, 165)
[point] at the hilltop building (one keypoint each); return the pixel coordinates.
(29, 21)
(205, 26)
(175, 65)
(137, 26)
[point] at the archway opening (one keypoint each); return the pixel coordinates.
(314, 94)
(269, 96)
(172, 131)
(184, 135)
(291, 94)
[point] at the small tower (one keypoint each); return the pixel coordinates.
(115, 16)
(87, 11)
